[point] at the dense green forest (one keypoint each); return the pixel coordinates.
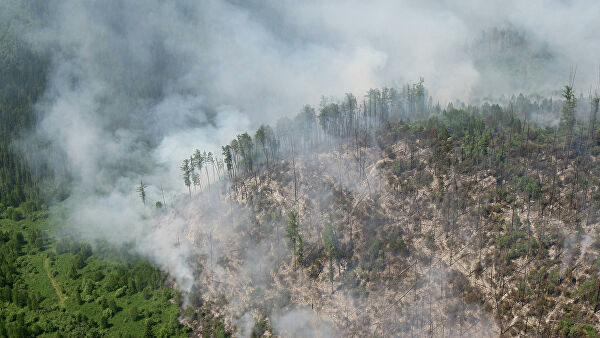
(59, 287)
(51, 285)
(23, 79)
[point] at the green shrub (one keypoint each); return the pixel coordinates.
(15, 214)
(133, 313)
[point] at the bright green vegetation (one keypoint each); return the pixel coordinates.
(57, 288)
(49, 284)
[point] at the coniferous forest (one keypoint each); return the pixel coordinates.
(51, 285)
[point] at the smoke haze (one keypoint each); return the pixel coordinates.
(135, 86)
(143, 83)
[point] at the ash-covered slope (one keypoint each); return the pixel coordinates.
(471, 222)
(356, 272)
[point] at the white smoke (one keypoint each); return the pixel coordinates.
(135, 86)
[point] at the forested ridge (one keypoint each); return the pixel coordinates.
(487, 213)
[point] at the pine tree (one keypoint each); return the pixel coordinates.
(263, 134)
(196, 180)
(198, 160)
(299, 250)
(73, 272)
(593, 116)
(204, 159)
(148, 329)
(293, 235)
(330, 244)
(567, 118)
(141, 189)
(186, 172)
(228, 159)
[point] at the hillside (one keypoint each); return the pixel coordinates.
(470, 222)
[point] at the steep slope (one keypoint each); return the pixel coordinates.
(462, 224)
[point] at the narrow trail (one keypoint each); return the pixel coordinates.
(61, 296)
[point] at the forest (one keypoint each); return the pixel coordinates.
(52, 285)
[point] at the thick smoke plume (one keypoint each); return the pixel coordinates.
(135, 86)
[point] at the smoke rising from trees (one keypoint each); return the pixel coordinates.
(135, 86)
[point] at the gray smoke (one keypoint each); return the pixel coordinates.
(135, 86)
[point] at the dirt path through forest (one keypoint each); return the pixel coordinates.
(61, 296)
